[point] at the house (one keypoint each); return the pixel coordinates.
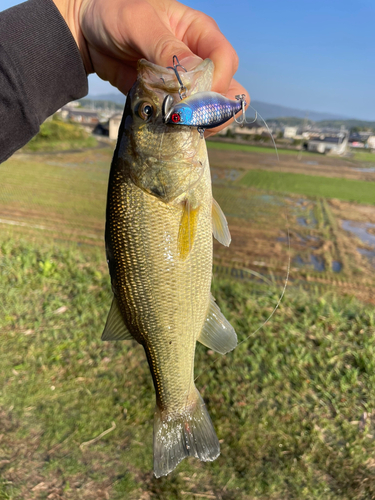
(114, 125)
(87, 118)
(290, 132)
(333, 144)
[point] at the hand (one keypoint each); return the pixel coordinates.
(113, 34)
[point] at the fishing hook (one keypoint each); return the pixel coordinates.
(241, 97)
(176, 64)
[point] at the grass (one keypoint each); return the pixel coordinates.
(227, 146)
(58, 135)
(313, 186)
(292, 404)
(364, 156)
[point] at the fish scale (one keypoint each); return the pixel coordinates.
(145, 290)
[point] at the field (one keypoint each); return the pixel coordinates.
(293, 405)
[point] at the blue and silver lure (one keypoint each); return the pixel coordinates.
(202, 110)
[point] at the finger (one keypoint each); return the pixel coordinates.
(206, 40)
(113, 70)
(235, 88)
(156, 42)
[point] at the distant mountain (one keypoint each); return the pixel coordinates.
(276, 111)
(118, 98)
(265, 109)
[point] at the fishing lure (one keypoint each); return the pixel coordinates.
(203, 109)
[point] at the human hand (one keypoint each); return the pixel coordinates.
(113, 35)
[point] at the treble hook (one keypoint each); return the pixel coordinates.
(241, 98)
(176, 64)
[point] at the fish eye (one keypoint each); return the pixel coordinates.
(145, 110)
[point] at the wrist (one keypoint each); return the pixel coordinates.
(69, 9)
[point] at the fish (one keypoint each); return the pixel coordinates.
(160, 219)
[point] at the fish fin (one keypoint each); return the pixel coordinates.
(115, 328)
(217, 333)
(187, 434)
(220, 225)
(188, 229)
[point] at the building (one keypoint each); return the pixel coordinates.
(371, 142)
(87, 118)
(290, 132)
(114, 125)
(329, 144)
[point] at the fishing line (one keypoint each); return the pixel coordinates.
(258, 274)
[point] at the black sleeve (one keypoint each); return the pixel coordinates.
(41, 69)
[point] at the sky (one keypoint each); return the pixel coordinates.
(317, 56)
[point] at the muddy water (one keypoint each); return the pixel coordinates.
(360, 229)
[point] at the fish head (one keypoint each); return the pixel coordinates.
(163, 160)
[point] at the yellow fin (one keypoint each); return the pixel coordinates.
(188, 229)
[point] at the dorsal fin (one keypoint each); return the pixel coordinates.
(220, 225)
(115, 328)
(217, 333)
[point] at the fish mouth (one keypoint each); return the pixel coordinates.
(167, 107)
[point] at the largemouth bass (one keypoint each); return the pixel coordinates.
(160, 220)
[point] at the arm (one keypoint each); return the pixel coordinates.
(44, 60)
(41, 69)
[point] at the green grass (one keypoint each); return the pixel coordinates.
(364, 156)
(308, 185)
(58, 135)
(288, 404)
(227, 146)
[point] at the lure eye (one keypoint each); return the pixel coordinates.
(175, 117)
(145, 110)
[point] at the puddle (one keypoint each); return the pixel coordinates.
(311, 162)
(369, 254)
(317, 263)
(369, 170)
(302, 221)
(225, 174)
(298, 201)
(336, 266)
(360, 229)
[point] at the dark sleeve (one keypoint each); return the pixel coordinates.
(41, 69)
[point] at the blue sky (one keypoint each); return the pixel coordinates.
(316, 56)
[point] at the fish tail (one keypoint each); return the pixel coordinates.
(189, 433)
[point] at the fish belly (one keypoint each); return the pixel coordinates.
(163, 297)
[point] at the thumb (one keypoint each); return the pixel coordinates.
(158, 44)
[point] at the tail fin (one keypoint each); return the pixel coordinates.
(187, 434)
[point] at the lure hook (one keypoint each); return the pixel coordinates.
(176, 64)
(241, 98)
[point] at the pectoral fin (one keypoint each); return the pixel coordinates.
(188, 229)
(220, 225)
(217, 333)
(115, 328)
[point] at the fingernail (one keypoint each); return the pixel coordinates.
(190, 62)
